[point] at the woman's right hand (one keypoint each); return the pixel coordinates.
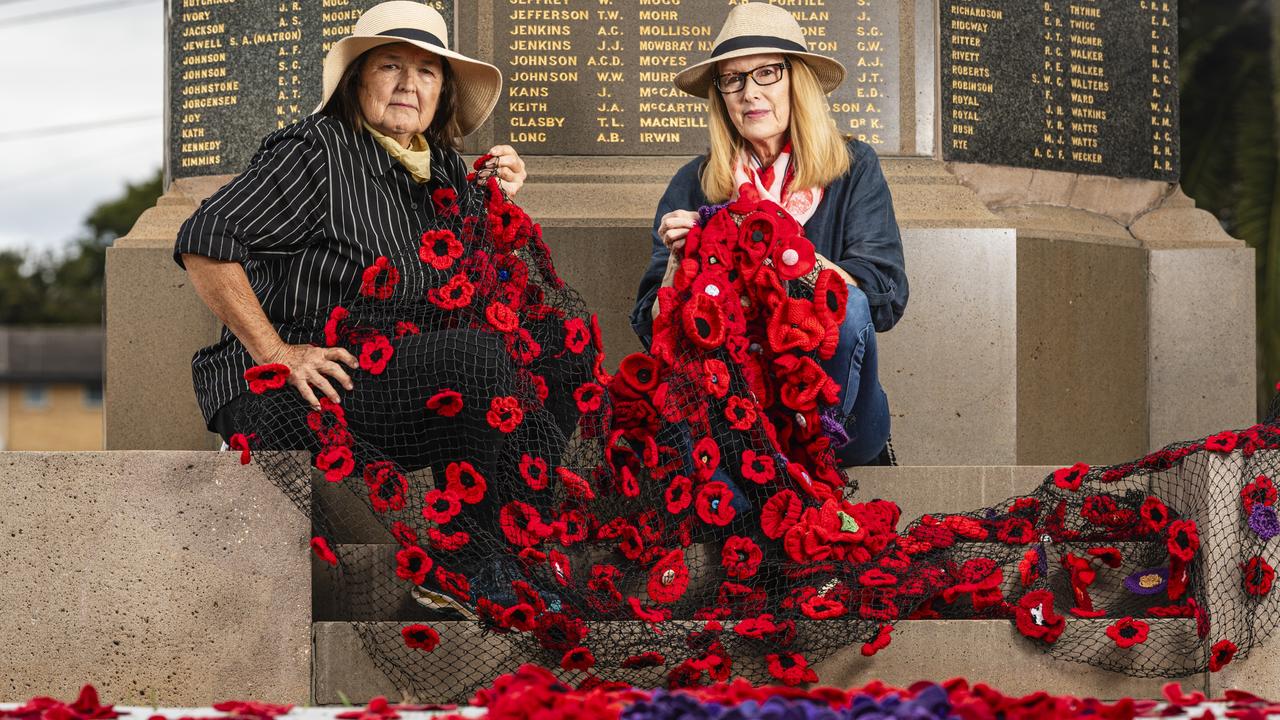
(313, 367)
(674, 227)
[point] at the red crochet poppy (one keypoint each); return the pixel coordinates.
(456, 584)
(1258, 576)
(446, 403)
(579, 658)
(572, 527)
(379, 280)
(715, 377)
(403, 534)
(638, 372)
(413, 564)
(420, 637)
(1224, 442)
(794, 326)
(262, 378)
(333, 330)
(336, 462)
(1029, 567)
(679, 494)
(387, 486)
(375, 353)
(879, 642)
(790, 668)
(588, 396)
(439, 249)
(793, 256)
(557, 631)
(576, 336)
(446, 201)
(740, 557)
(741, 413)
(804, 383)
(1184, 539)
(521, 524)
(575, 485)
(714, 504)
(878, 604)
(758, 468)
(1259, 492)
(523, 348)
(669, 578)
(703, 321)
(1016, 531)
(1069, 478)
(1035, 618)
(644, 660)
(706, 458)
(780, 513)
(821, 607)
(1221, 654)
(539, 387)
(320, 547)
(465, 482)
(440, 506)
(1155, 515)
(447, 542)
(830, 298)
(1128, 632)
(404, 327)
(502, 317)
(504, 413)
(240, 442)
(452, 295)
(534, 471)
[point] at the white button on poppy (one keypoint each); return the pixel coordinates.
(801, 421)
(712, 290)
(790, 257)
(668, 577)
(745, 301)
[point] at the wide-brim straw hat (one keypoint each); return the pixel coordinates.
(758, 29)
(477, 84)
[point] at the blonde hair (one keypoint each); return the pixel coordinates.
(819, 152)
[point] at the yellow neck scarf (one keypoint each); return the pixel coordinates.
(416, 158)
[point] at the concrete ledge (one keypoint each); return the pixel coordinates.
(165, 577)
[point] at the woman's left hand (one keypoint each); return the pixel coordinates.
(509, 167)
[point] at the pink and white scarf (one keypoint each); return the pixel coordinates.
(756, 182)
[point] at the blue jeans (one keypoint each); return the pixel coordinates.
(862, 400)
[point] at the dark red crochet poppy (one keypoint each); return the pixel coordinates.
(557, 631)
(387, 486)
(445, 200)
(714, 504)
(320, 547)
(1224, 442)
(780, 513)
(740, 557)
(1155, 515)
(679, 494)
(638, 372)
(379, 280)
(579, 658)
(420, 637)
(1035, 618)
(715, 377)
(1258, 576)
(413, 564)
(403, 534)
(1221, 654)
(669, 578)
(1069, 478)
(878, 604)
(446, 403)
(262, 378)
(404, 327)
(576, 335)
(1128, 632)
(830, 298)
(588, 397)
(447, 542)
(440, 249)
(790, 668)
(336, 462)
(520, 617)
(333, 330)
(1262, 491)
(574, 484)
(502, 317)
(741, 413)
(703, 321)
(758, 468)
(504, 413)
(452, 295)
(464, 481)
(534, 471)
(240, 442)
(1029, 567)
(456, 584)
(572, 527)
(821, 607)
(879, 642)
(793, 256)
(1184, 539)
(440, 506)
(375, 353)
(644, 660)
(706, 458)
(521, 524)
(755, 238)
(1016, 531)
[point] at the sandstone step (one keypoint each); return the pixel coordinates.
(988, 651)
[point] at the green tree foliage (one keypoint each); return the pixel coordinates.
(1229, 58)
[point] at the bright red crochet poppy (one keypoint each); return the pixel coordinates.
(1221, 654)
(262, 378)
(1127, 632)
(375, 353)
(522, 347)
(638, 373)
(714, 504)
(447, 542)
(1069, 478)
(669, 578)
(1016, 531)
(502, 317)
(452, 295)
(804, 383)
(830, 298)
(1035, 618)
(240, 442)
(758, 468)
(679, 494)
(793, 256)
(1155, 515)
(794, 326)
(706, 458)
(440, 506)
(420, 637)
(336, 462)
(703, 321)
(446, 403)
(790, 668)
(413, 564)
(534, 471)
(644, 660)
(379, 280)
(465, 482)
(557, 631)
(1224, 442)
(576, 336)
(1259, 492)
(579, 658)
(755, 238)
(821, 607)
(1184, 539)
(333, 330)
(1258, 576)
(575, 485)
(440, 249)
(445, 200)
(504, 413)
(715, 377)
(588, 397)
(403, 534)
(879, 642)
(780, 513)
(741, 413)
(320, 547)
(521, 524)
(740, 557)
(387, 486)
(404, 327)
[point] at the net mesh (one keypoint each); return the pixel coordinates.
(488, 495)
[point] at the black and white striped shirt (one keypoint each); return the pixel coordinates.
(318, 204)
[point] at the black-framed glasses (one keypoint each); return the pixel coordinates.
(763, 75)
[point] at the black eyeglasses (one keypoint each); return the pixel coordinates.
(763, 75)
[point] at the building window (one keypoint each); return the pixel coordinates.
(35, 395)
(93, 395)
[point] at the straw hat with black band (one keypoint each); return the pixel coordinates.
(478, 84)
(758, 29)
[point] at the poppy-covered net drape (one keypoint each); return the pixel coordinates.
(684, 520)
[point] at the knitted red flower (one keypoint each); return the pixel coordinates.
(638, 372)
(830, 298)
(1184, 539)
(446, 403)
(375, 353)
(262, 378)
(445, 200)
(1155, 515)
(504, 413)
(740, 412)
(452, 295)
(755, 238)
(502, 317)
(740, 557)
(440, 506)
(703, 321)
(387, 486)
(715, 377)
(336, 462)
(879, 642)
(521, 525)
(780, 513)
(644, 660)
(240, 442)
(333, 330)
(1221, 654)
(379, 280)
(714, 504)
(579, 658)
(821, 607)
(790, 668)
(793, 256)
(588, 397)
(804, 383)
(447, 542)
(465, 482)
(1127, 632)
(534, 471)
(413, 564)
(1262, 491)
(1069, 478)
(758, 468)
(1035, 618)
(576, 336)
(320, 547)
(706, 458)
(404, 327)
(1258, 576)
(679, 494)
(575, 485)
(420, 637)
(794, 326)
(1223, 442)
(669, 578)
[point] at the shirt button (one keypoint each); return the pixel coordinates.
(414, 206)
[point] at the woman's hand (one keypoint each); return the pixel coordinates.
(314, 367)
(674, 227)
(507, 164)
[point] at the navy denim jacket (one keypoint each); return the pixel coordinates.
(854, 227)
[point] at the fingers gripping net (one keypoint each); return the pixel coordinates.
(685, 520)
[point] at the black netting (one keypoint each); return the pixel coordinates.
(685, 520)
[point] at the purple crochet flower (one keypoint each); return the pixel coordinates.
(1263, 521)
(672, 706)
(834, 429)
(1147, 582)
(706, 211)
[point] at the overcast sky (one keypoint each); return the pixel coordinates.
(75, 71)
